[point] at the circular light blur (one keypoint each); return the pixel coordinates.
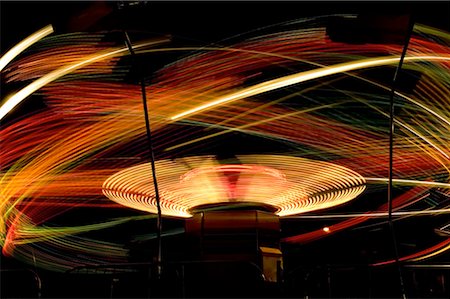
(291, 185)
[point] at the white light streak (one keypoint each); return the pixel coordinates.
(410, 182)
(302, 77)
(20, 47)
(18, 97)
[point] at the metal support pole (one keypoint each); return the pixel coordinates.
(152, 160)
(391, 152)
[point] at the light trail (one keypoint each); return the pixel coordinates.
(410, 182)
(373, 215)
(27, 42)
(13, 100)
(67, 151)
(302, 77)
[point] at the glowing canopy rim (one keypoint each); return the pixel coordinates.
(291, 185)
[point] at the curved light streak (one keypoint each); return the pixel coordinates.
(27, 42)
(227, 130)
(228, 49)
(422, 254)
(15, 99)
(373, 214)
(398, 202)
(302, 77)
(410, 182)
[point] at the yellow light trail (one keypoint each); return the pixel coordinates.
(243, 127)
(18, 97)
(302, 77)
(269, 54)
(410, 182)
(408, 98)
(20, 47)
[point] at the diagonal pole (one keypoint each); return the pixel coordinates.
(152, 160)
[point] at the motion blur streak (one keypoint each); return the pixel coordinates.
(20, 47)
(13, 100)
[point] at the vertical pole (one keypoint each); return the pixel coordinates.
(391, 153)
(36, 276)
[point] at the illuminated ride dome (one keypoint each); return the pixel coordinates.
(233, 209)
(289, 185)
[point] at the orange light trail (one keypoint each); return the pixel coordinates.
(13, 100)
(87, 145)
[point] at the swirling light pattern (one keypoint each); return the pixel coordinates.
(330, 129)
(13, 100)
(291, 185)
